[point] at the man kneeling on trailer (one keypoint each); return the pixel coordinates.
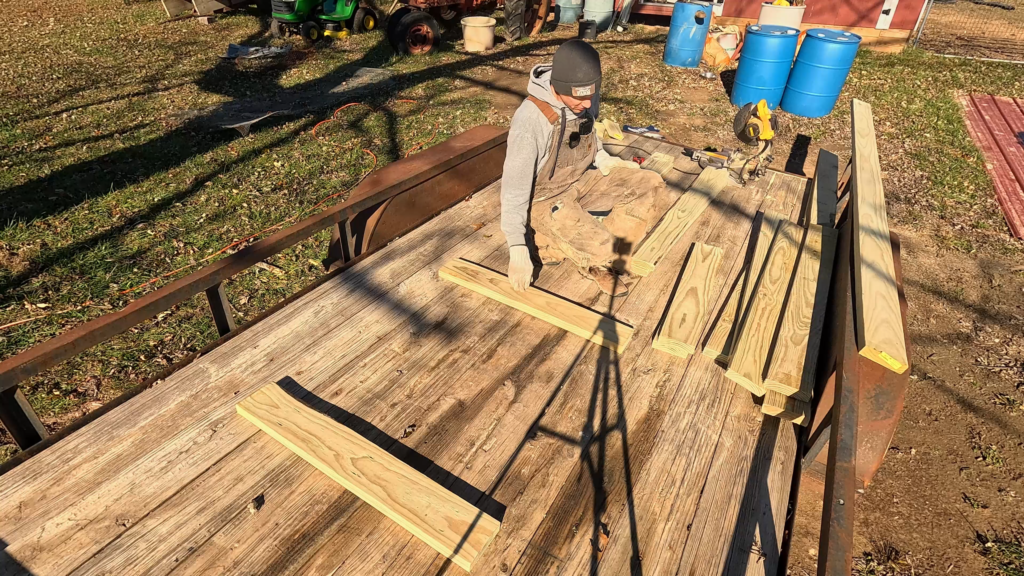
(550, 191)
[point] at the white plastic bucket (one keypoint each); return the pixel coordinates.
(478, 32)
(791, 16)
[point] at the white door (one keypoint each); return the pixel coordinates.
(885, 18)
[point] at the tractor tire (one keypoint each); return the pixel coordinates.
(515, 19)
(393, 20)
(416, 34)
(365, 20)
(447, 16)
(277, 29)
(310, 32)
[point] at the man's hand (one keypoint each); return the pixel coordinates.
(606, 164)
(520, 267)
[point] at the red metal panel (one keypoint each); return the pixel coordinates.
(823, 12)
(741, 9)
(1003, 150)
(859, 13)
(907, 13)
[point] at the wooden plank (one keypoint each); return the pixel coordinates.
(446, 522)
(762, 315)
(175, 7)
(721, 344)
(567, 315)
(688, 309)
(786, 407)
(157, 442)
(557, 498)
(684, 213)
(794, 358)
(659, 162)
(879, 331)
(821, 205)
(384, 183)
(676, 481)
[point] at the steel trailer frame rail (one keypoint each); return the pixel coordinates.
(417, 188)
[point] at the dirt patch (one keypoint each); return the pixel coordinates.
(504, 87)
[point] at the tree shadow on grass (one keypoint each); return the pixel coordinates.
(68, 187)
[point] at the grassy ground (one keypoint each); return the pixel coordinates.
(103, 187)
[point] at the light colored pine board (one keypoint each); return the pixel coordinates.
(794, 357)
(566, 315)
(787, 408)
(473, 400)
(721, 344)
(441, 519)
(688, 309)
(533, 487)
(821, 202)
(762, 315)
(681, 216)
(879, 330)
(676, 479)
(159, 441)
(659, 162)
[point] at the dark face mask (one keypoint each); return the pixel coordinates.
(586, 126)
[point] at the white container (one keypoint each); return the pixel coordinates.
(791, 16)
(478, 32)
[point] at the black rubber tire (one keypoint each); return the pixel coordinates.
(277, 29)
(393, 21)
(417, 33)
(515, 19)
(311, 32)
(448, 17)
(364, 20)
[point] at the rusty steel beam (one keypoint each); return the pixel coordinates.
(19, 418)
(835, 545)
(220, 308)
(385, 183)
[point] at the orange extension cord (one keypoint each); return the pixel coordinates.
(265, 230)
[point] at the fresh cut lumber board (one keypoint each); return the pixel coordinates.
(879, 329)
(441, 519)
(762, 315)
(787, 408)
(553, 309)
(721, 343)
(690, 303)
(681, 216)
(795, 355)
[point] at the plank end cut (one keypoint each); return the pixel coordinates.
(879, 324)
(442, 520)
(551, 308)
(782, 406)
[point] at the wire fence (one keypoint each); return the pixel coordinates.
(974, 28)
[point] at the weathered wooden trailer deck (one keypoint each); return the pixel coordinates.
(590, 459)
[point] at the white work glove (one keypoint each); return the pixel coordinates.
(520, 267)
(605, 162)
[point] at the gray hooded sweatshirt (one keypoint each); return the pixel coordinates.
(529, 140)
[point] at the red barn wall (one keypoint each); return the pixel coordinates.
(853, 13)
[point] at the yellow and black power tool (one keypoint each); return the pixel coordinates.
(755, 124)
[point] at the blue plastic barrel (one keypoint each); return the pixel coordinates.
(600, 11)
(765, 62)
(687, 34)
(568, 11)
(820, 72)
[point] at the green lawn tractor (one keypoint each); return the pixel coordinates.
(314, 19)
